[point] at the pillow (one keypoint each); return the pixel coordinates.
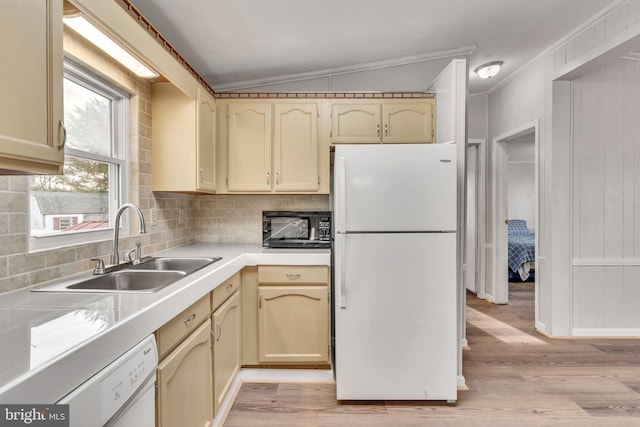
(518, 226)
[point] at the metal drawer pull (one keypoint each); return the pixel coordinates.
(219, 332)
(293, 276)
(190, 318)
(229, 286)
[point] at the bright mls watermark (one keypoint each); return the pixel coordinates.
(34, 415)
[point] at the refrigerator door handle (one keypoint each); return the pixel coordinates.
(341, 193)
(341, 270)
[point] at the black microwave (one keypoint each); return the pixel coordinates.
(296, 229)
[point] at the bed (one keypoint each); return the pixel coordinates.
(522, 250)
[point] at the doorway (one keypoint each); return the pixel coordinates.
(472, 266)
(515, 156)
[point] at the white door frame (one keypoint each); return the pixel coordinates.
(500, 272)
(477, 249)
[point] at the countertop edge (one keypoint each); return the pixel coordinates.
(52, 381)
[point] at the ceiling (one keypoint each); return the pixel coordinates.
(243, 43)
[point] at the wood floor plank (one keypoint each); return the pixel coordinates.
(515, 377)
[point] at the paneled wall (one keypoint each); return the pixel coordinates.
(606, 199)
(535, 93)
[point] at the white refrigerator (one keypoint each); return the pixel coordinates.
(395, 213)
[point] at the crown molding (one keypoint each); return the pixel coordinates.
(366, 66)
(549, 50)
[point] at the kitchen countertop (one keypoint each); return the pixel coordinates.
(54, 341)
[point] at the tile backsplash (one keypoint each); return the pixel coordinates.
(238, 218)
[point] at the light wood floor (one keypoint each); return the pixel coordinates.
(515, 377)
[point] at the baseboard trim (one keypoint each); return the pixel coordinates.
(606, 332)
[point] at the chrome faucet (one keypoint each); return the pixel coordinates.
(115, 258)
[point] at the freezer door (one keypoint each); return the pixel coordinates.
(395, 316)
(406, 187)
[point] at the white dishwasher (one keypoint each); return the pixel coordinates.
(120, 395)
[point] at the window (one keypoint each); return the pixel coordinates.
(80, 205)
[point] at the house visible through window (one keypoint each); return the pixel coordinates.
(83, 201)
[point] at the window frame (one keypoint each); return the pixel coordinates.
(118, 161)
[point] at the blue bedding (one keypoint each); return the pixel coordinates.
(522, 248)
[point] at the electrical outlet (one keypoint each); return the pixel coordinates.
(153, 213)
(180, 216)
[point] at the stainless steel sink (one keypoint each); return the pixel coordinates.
(187, 265)
(151, 275)
(129, 281)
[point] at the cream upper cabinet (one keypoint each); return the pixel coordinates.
(227, 339)
(249, 147)
(273, 146)
(389, 121)
(32, 132)
(295, 147)
(183, 140)
(293, 314)
(185, 388)
(206, 141)
(408, 121)
(355, 123)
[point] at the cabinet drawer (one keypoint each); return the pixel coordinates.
(170, 335)
(294, 274)
(224, 291)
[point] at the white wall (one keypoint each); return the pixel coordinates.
(477, 126)
(409, 77)
(521, 180)
(451, 96)
(606, 200)
(542, 91)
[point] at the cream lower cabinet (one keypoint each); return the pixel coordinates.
(293, 314)
(185, 391)
(226, 322)
(388, 121)
(32, 133)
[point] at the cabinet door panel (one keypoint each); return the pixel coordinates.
(185, 391)
(296, 147)
(31, 131)
(293, 324)
(226, 347)
(408, 122)
(355, 123)
(206, 154)
(249, 147)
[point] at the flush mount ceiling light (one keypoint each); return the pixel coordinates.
(488, 70)
(87, 30)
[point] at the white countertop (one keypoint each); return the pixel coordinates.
(52, 342)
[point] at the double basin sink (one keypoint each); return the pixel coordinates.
(150, 275)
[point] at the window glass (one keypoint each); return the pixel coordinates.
(79, 204)
(75, 201)
(87, 117)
